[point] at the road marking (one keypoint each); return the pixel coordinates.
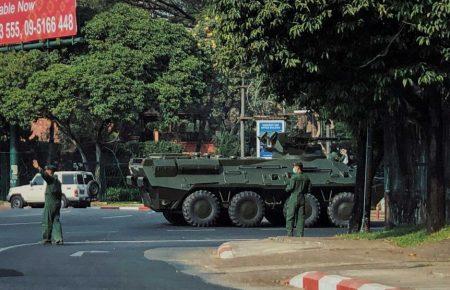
(23, 215)
(279, 229)
(116, 217)
(19, 224)
(203, 230)
(17, 246)
(132, 242)
(92, 232)
(81, 253)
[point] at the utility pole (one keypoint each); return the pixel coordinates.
(242, 131)
(13, 160)
(328, 135)
(365, 224)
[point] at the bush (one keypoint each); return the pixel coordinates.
(115, 194)
(227, 144)
(148, 148)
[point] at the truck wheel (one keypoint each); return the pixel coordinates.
(276, 217)
(64, 202)
(175, 218)
(93, 188)
(340, 209)
(246, 209)
(17, 202)
(312, 210)
(201, 209)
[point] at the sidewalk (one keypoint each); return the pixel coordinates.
(275, 261)
(4, 205)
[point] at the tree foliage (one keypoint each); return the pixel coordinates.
(360, 60)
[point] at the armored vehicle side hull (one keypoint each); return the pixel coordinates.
(204, 192)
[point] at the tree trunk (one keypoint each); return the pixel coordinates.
(356, 218)
(201, 135)
(99, 168)
(405, 171)
(51, 143)
(436, 189)
(446, 116)
(368, 176)
(82, 154)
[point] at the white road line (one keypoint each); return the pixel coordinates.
(132, 242)
(22, 215)
(116, 217)
(17, 246)
(81, 253)
(19, 224)
(92, 232)
(203, 230)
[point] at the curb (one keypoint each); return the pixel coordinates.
(140, 208)
(225, 251)
(321, 281)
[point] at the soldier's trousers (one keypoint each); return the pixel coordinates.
(295, 215)
(51, 224)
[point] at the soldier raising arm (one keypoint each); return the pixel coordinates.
(52, 208)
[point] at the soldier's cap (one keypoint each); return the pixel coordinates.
(298, 164)
(50, 167)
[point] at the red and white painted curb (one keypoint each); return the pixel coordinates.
(225, 251)
(140, 208)
(322, 281)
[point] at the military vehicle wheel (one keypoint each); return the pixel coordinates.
(340, 209)
(312, 210)
(246, 209)
(201, 209)
(175, 218)
(276, 217)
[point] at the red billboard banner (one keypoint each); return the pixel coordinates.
(31, 20)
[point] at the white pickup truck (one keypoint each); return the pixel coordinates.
(78, 187)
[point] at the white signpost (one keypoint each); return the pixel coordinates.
(269, 126)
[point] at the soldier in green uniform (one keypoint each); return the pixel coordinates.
(53, 194)
(299, 185)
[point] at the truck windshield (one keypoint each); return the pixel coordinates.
(87, 178)
(80, 179)
(68, 179)
(38, 180)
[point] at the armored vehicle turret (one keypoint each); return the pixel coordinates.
(205, 191)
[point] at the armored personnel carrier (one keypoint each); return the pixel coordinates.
(206, 191)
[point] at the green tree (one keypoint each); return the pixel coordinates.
(131, 62)
(362, 61)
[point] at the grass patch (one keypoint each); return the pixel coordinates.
(119, 203)
(403, 236)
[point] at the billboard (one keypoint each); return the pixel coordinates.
(31, 20)
(268, 126)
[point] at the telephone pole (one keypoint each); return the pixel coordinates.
(242, 131)
(13, 160)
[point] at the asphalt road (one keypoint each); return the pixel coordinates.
(104, 249)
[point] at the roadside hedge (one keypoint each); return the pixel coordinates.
(115, 194)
